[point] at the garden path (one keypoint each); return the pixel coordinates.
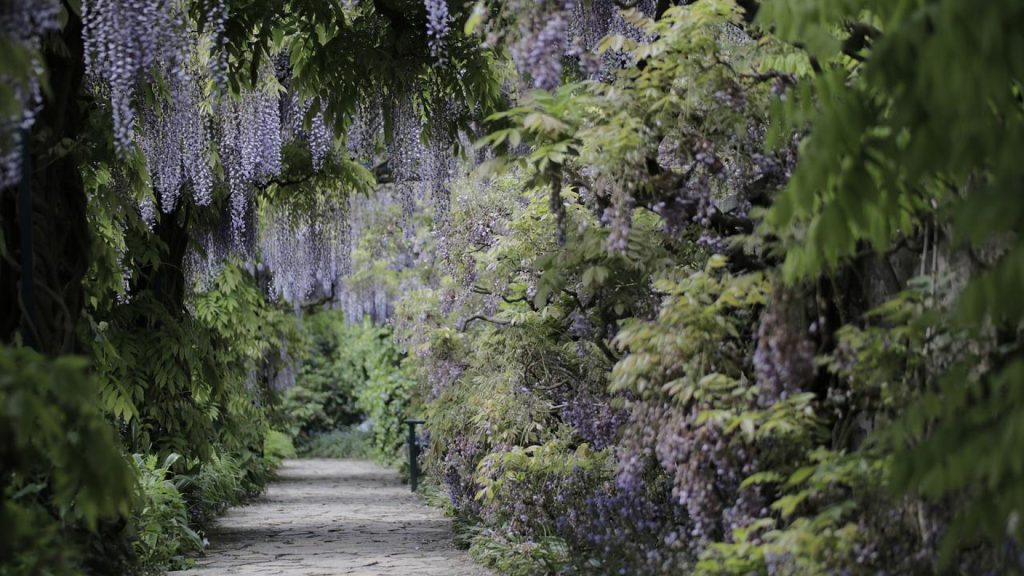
(334, 518)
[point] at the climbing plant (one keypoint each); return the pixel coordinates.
(713, 287)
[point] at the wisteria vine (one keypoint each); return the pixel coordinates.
(24, 22)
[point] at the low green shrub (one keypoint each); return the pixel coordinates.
(513, 556)
(348, 442)
(220, 483)
(161, 519)
(277, 446)
(64, 474)
(433, 494)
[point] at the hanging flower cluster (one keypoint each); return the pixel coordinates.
(437, 25)
(250, 150)
(23, 23)
(176, 143)
(306, 253)
(124, 42)
(317, 136)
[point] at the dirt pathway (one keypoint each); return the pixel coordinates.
(330, 518)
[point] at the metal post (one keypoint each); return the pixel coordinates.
(414, 452)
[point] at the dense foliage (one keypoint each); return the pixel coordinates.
(64, 473)
(323, 397)
(170, 170)
(723, 287)
(185, 411)
(746, 318)
(352, 374)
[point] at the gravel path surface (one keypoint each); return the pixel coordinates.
(334, 517)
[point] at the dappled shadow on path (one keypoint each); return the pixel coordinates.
(334, 517)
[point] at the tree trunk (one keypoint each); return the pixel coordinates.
(44, 222)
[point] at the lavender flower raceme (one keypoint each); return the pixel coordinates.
(250, 148)
(176, 144)
(540, 54)
(23, 22)
(305, 253)
(124, 41)
(318, 137)
(437, 25)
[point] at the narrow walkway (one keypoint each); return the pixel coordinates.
(334, 517)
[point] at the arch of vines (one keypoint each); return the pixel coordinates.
(691, 286)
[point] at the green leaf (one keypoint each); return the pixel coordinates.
(476, 16)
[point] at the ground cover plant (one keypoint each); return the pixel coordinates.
(679, 287)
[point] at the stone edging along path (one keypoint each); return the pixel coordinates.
(333, 518)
